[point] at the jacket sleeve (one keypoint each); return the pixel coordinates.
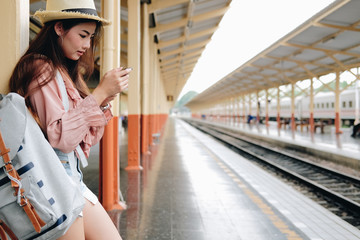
(83, 124)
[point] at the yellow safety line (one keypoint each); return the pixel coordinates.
(265, 208)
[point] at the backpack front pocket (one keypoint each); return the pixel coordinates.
(14, 215)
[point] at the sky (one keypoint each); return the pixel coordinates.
(248, 28)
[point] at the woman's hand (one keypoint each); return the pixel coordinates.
(114, 81)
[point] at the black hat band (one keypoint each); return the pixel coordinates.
(89, 11)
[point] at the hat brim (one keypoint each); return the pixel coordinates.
(47, 16)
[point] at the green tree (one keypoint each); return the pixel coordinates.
(186, 98)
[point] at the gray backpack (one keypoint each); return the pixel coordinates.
(38, 200)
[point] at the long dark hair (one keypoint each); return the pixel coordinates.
(45, 49)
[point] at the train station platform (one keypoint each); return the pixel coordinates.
(338, 148)
(194, 188)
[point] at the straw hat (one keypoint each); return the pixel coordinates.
(68, 9)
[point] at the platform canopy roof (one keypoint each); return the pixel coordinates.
(181, 29)
(326, 43)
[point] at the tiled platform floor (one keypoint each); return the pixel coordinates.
(194, 188)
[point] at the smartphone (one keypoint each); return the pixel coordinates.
(123, 68)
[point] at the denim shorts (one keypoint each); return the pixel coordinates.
(71, 165)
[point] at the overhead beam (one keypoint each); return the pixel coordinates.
(343, 28)
(183, 22)
(157, 5)
(322, 49)
(163, 44)
(187, 48)
(195, 54)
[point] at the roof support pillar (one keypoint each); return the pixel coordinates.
(229, 110)
(152, 93)
(14, 38)
(257, 107)
(238, 113)
(233, 110)
(223, 113)
(267, 107)
(278, 108)
(250, 113)
(244, 108)
(229, 106)
(145, 73)
(356, 121)
(293, 126)
(109, 185)
(218, 112)
(311, 107)
(156, 99)
(134, 86)
(337, 103)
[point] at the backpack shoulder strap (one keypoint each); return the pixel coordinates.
(61, 84)
(65, 102)
(13, 119)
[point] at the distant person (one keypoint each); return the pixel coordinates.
(356, 130)
(251, 119)
(125, 122)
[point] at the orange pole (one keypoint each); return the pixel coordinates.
(293, 126)
(266, 108)
(109, 147)
(278, 108)
(116, 164)
(157, 123)
(337, 123)
(151, 128)
(278, 120)
(134, 97)
(311, 108)
(146, 78)
(311, 121)
(145, 132)
(109, 168)
(133, 143)
(337, 104)
(267, 119)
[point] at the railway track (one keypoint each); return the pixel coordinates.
(338, 192)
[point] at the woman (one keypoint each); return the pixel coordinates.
(50, 77)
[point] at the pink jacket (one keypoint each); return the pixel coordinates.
(84, 122)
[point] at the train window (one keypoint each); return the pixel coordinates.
(327, 105)
(322, 105)
(344, 104)
(350, 104)
(332, 104)
(317, 105)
